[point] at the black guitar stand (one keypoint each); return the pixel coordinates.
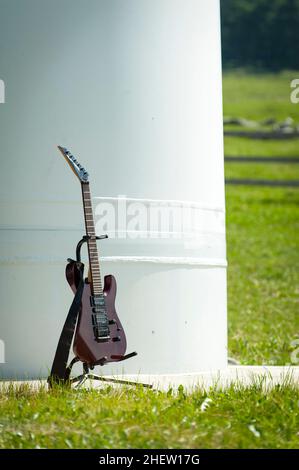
(61, 372)
(81, 379)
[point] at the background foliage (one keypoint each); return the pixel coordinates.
(261, 34)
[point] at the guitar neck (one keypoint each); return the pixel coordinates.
(96, 282)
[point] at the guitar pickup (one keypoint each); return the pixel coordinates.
(97, 301)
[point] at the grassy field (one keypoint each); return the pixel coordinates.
(234, 418)
(262, 227)
(263, 256)
(257, 97)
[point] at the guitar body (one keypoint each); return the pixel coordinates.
(99, 336)
(86, 347)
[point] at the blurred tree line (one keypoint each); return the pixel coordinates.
(260, 34)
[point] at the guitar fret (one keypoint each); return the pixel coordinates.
(96, 285)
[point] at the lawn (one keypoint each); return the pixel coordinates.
(262, 227)
(263, 260)
(258, 97)
(263, 251)
(234, 418)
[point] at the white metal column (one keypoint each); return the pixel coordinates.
(133, 87)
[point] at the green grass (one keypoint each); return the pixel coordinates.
(236, 146)
(263, 248)
(262, 227)
(263, 288)
(268, 171)
(256, 97)
(234, 418)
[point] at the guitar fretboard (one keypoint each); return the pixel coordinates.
(97, 288)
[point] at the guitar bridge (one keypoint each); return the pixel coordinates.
(101, 339)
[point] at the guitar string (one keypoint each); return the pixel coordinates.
(97, 288)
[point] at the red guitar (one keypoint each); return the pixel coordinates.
(99, 336)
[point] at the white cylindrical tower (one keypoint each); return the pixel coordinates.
(133, 88)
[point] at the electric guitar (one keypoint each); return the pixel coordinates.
(99, 336)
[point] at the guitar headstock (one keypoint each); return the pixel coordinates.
(78, 169)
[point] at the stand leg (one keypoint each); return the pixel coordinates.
(81, 379)
(117, 381)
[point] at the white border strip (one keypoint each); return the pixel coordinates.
(204, 262)
(170, 202)
(76, 202)
(170, 260)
